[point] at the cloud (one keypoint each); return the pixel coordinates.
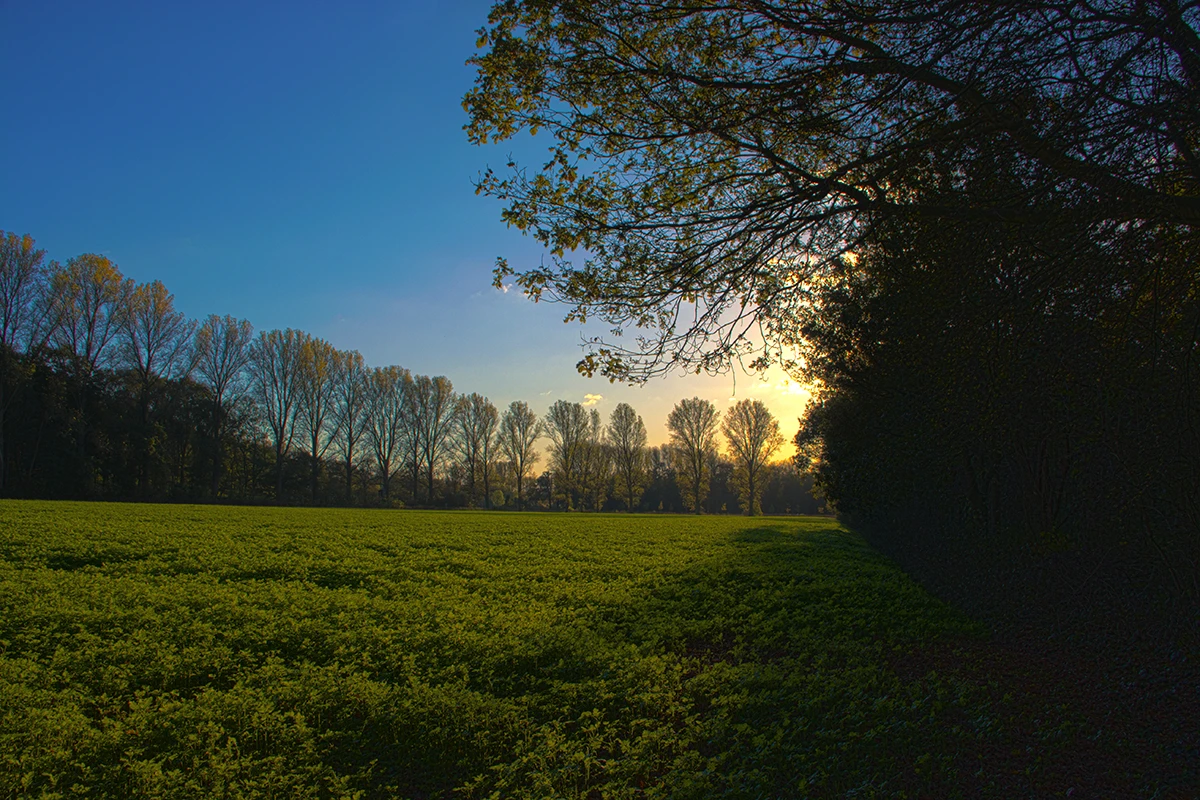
(592, 399)
(546, 393)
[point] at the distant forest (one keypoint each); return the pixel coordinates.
(108, 392)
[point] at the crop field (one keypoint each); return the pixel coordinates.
(189, 651)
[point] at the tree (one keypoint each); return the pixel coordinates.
(157, 339)
(411, 448)
(23, 317)
(386, 405)
(714, 159)
(566, 425)
(222, 354)
(595, 463)
(275, 364)
(487, 452)
(693, 427)
(316, 412)
(350, 397)
(157, 345)
(434, 405)
(753, 436)
(477, 419)
(90, 301)
(662, 493)
(627, 437)
(519, 431)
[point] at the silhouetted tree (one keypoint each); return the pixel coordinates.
(90, 301)
(566, 425)
(476, 420)
(275, 365)
(753, 436)
(351, 402)
(386, 403)
(434, 404)
(316, 412)
(24, 322)
(519, 431)
(222, 355)
(157, 346)
(693, 428)
(627, 437)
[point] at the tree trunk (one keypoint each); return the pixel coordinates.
(217, 459)
(3, 460)
(144, 448)
(753, 512)
(278, 475)
(85, 472)
(471, 481)
(316, 473)
(487, 488)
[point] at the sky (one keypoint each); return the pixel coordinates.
(300, 165)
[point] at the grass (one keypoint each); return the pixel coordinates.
(189, 651)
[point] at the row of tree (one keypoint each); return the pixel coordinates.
(107, 390)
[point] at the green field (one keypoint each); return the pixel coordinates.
(190, 651)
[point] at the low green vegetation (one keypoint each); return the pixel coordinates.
(187, 651)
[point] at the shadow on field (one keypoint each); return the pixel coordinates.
(802, 663)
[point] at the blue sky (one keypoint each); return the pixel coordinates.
(299, 165)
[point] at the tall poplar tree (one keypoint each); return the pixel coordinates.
(753, 436)
(275, 365)
(222, 354)
(693, 427)
(627, 438)
(520, 429)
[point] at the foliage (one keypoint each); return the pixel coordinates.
(192, 651)
(714, 159)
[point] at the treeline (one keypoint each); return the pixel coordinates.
(109, 392)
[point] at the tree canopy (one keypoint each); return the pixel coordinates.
(713, 160)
